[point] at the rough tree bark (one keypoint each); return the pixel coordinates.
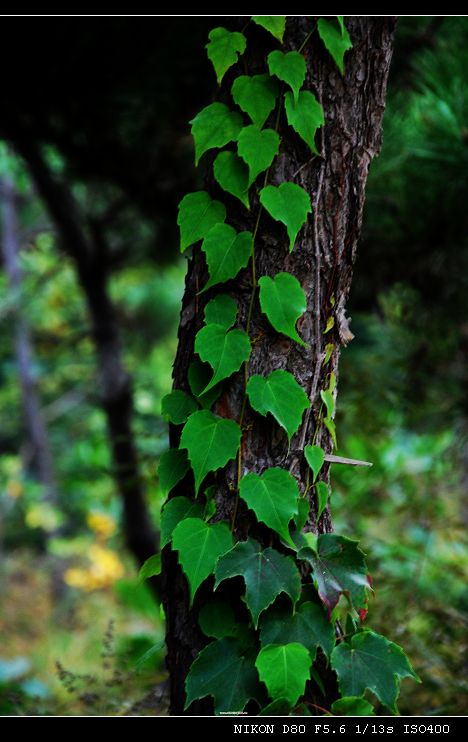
(322, 260)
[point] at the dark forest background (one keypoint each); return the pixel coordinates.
(95, 154)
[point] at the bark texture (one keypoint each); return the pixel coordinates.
(322, 260)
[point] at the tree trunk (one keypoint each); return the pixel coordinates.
(322, 260)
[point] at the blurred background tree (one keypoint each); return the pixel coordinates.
(95, 144)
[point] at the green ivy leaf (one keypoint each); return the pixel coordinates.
(227, 251)
(287, 203)
(232, 175)
(224, 351)
(224, 671)
(328, 351)
(217, 619)
(223, 49)
(197, 214)
(279, 707)
(289, 67)
(303, 508)
(273, 498)
(321, 489)
(222, 310)
(275, 24)
(281, 395)
(258, 148)
(150, 568)
(173, 512)
(283, 301)
(371, 661)
(309, 626)
(315, 457)
(266, 573)
(199, 546)
(330, 426)
(337, 42)
(352, 706)
(173, 466)
(214, 127)
(210, 441)
(256, 96)
(177, 406)
(339, 568)
(329, 402)
(305, 116)
(199, 375)
(285, 669)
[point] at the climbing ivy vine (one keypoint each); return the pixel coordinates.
(269, 658)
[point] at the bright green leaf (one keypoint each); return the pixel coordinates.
(273, 498)
(287, 203)
(336, 41)
(150, 568)
(197, 214)
(227, 251)
(224, 351)
(303, 509)
(173, 512)
(371, 661)
(258, 148)
(199, 375)
(223, 49)
(308, 625)
(279, 707)
(275, 24)
(232, 175)
(283, 301)
(210, 502)
(211, 442)
(222, 310)
(224, 671)
(266, 573)
(177, 406)
(340, 19)
(173, 466)
(321, 489)
(330, 324)
(315, 457)
(339, 568)
(280, 395)
(217, 619)
(305, 116)
(214, 127)
(329, 402)
(289, 67)
(328, 351)
(285, 669)
(330, 426)
(256, 96)
(199, 546)
(352, 706)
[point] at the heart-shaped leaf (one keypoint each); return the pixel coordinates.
(258, 148)
(222, 310)
(285, 669)
(211, 442)
(199, 375)
(256, 96)
(287, 203)
(281, 395)
(305, 116)
(227, 251)
(315, 457)
(214, 127)
(275, 24)
(290, 67)
(232, 175)
(337, 41)
(224, 351)
(177, 406)
(283, 301)
(197, 214)
(273, 497)
(173, 512)
(173, 466)
(223, 49)
(308, 625)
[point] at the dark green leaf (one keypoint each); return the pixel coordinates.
(337, 41)
(352, 706)
(214, 127)
(177, 406)
(281, 395)
(173, 466)
(305, 116)
(174, 511)
(224, 351)
(199, 375)
(275, 24)
(266, 574)
(217, 619)
(315, 457)
(222, 310)
(258, 148)
(222, 670)
(309, 626)
(285, 669)
(223, 49)
(321, 488)
(289, 67)
(256, 96)
(232, 175)
(303, 508)
(227, 251)
(280, 707)
(371, 661)
(211, 442)
(199, 546)
(273, 498)
(197, 214)
(150, 568)
(283, 301)
(287, 203)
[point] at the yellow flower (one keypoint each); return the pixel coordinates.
(103, 570)
(102, 524)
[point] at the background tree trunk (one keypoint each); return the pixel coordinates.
(322, 260)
